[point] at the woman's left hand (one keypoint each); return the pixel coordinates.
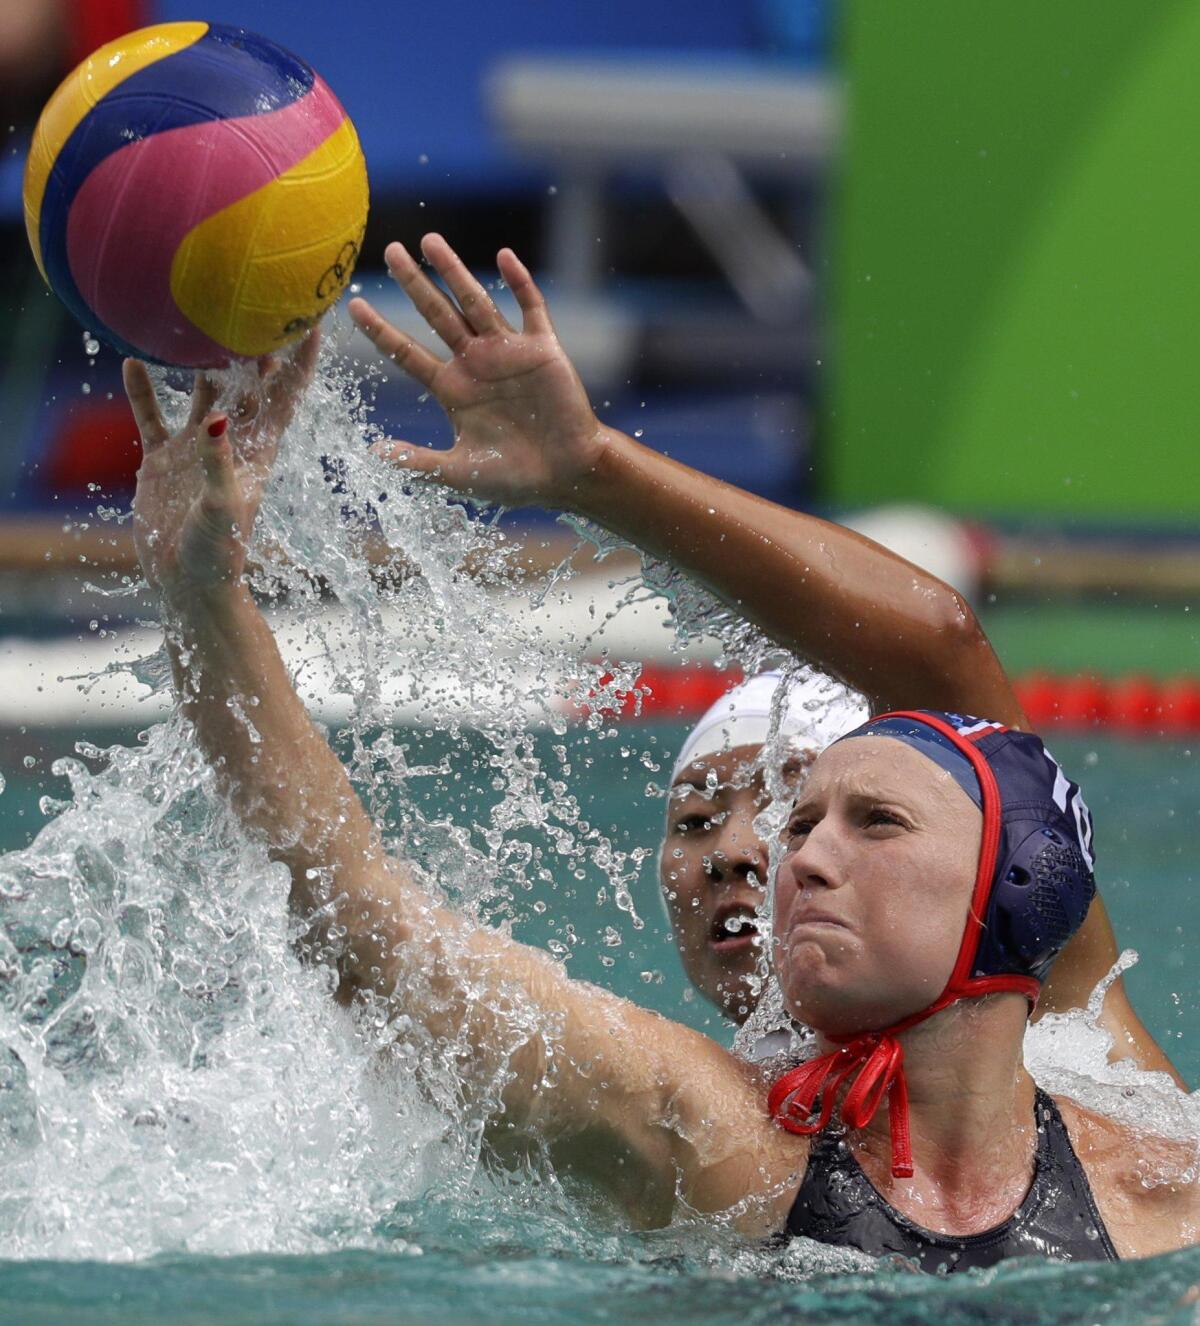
(524, 429)
(199, 488)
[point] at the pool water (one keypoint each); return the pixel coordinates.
(532, 1253)
(1145, 796)
(193, 1133)
(518, 1283)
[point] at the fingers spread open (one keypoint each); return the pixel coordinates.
(430, 302)
(477, 305)
(406, 353)
(525, 290)
(144, 404)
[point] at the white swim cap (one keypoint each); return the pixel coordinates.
(817, 711)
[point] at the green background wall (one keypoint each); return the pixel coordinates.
(1017, 264)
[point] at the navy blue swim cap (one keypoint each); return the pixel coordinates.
(1032, 890)
(1035, 879)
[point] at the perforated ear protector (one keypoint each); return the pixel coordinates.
(1040, 897)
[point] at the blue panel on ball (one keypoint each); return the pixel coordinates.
(228, 73)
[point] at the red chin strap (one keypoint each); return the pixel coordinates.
(878, 1062)
(803, 1100)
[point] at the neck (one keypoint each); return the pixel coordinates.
(970, 1098)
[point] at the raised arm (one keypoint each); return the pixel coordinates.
(600, 1079)
(195, 505)
(526, 433)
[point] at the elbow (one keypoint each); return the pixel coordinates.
(954, 622)
(963, 654)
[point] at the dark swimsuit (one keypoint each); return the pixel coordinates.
(837, 1203)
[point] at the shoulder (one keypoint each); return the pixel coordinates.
(1145, 1185)
(735, 1158)
(690, 1108)
(731, 1157)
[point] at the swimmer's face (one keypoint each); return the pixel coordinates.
(713, 871)
(871, 899)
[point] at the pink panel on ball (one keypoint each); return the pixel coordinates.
(135, 208)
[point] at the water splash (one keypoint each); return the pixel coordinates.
(172, 1077)
(1068, 1053)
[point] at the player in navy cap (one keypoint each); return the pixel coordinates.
(934, 864)
(713, 861)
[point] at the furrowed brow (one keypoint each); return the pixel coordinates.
(861, 797)
(804, 805)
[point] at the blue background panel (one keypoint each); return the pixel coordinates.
(414, 82)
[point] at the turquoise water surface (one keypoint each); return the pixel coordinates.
(487, 1249)
(521, 1284)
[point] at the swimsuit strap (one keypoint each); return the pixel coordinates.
(838, 1204)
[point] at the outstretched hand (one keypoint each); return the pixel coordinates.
(199, 489)
(523, 428)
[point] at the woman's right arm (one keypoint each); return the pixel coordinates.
(526, 433)
(643, 1106)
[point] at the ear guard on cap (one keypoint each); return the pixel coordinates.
(1040, 897)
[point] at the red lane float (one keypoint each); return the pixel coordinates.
(1136, 704)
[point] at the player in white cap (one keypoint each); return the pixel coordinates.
(713, 862)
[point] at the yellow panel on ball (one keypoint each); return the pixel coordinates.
(256, 274)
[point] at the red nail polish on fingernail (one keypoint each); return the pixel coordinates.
(217, 427)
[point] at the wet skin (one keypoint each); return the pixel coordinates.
(712, 869)
(872, 895)
(655, 1113)
(714, 864)
(713, 872)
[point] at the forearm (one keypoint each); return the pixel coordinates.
(833, 597)
(274, 766)
(285, 784)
